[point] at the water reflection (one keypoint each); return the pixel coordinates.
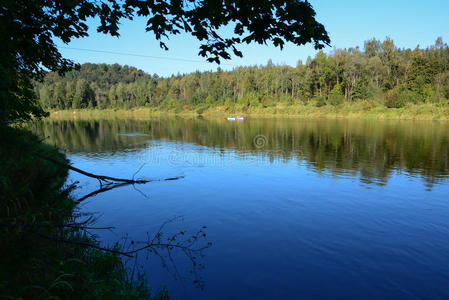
(370, 149)
(289, 204)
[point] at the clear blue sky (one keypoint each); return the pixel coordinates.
(349, 23)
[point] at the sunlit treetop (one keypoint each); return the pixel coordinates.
(28, 29)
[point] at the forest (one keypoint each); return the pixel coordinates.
(380, 72)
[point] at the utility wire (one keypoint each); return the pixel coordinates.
(142, 55)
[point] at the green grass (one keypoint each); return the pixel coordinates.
(360, 109)
(34, 202)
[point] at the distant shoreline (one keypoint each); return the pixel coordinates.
(429, 112)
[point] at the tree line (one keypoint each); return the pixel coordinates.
(334, 147)
(380, 72)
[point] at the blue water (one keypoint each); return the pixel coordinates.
(282, 224)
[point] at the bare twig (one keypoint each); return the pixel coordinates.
(169, 246)
(142, 193)
(138, 170)
(111, 186)
(173, 178)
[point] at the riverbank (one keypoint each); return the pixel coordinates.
(35, 207)
(360, 110)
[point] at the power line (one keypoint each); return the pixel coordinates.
(142, 55)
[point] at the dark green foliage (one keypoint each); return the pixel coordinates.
(420, 76)
(28, 29)
(29, 184)
(336, 97)
(320, 101)
(400, 96)
(392, 99)
(33, 202)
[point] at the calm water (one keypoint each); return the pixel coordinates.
(293, 208)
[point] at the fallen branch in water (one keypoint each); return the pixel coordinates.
(112, 186)
(99, 177)
(104, 178)
(101, 190)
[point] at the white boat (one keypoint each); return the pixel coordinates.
(231, 118)
(240, 118)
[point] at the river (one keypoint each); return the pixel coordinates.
(293, 208)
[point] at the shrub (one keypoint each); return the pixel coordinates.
(336, 100)
(320, 101)
(393, 98)
(33, 200)
(267, 101)
(336, 95)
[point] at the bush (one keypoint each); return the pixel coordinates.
(254, 100)
(267, 101)
(209, 100)
(320, 101)
(393, 98)
(336, 100)
(336, 95)
(200, 109)
(429, 93)
(35, 203)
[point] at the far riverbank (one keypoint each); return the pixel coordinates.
(436, 112)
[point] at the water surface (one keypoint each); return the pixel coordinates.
(293, 208)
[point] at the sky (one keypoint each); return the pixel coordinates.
(348, 22)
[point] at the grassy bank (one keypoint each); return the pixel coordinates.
(35, 206)
(367, 110)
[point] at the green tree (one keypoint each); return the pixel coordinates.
(420, 75)
(84, 95)
(28, 29)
